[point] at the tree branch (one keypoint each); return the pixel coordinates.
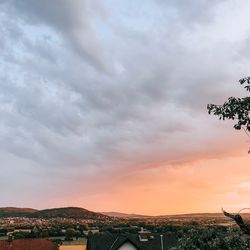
(239, 221)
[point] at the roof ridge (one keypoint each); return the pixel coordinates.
(114, 242)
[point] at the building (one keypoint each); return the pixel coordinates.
(128, 241)
(28, 244)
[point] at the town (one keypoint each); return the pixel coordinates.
(83, 229)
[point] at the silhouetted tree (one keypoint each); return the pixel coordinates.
(239, 221)
(235, 109)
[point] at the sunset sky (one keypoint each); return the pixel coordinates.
(103, 105)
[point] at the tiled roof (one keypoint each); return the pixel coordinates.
(28, 244)
(108, 241)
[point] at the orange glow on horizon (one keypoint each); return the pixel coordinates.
(202, 186)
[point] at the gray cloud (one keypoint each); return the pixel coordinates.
(75, 22)
(194, 12)
(85, 95)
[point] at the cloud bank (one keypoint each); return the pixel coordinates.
(92, 92)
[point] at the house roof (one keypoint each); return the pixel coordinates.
(28, 244)
(109, 241)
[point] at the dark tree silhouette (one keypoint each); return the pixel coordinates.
(234, 108)
(239, 221)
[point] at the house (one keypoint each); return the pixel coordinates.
(128, 241)
(28, 244)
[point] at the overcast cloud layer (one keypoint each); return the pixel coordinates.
(94, 90)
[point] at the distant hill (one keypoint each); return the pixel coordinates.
(124, 215)
(193, 215)
(81, 213)
(15, 211)
(65, 212)
(68, 212)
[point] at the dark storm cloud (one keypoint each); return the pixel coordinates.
(92, 89)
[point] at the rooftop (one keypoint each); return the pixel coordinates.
(109, 241)
(28, 244)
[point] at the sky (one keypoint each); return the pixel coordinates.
(103, 105)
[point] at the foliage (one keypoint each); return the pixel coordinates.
(21, 235)
(70, 233)
(235, 108)
(213, 239)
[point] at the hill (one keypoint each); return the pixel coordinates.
(15, 211)
(124, 215)
(68, 212)
(65, 212)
